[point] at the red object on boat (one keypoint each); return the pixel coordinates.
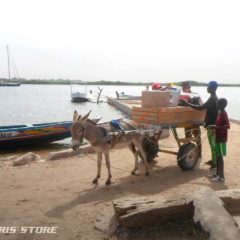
(156, 86)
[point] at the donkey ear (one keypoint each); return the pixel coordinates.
(75, 115)
(79, 117)
(96, 120)
(86, 116)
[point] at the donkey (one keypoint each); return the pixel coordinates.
(102, 143)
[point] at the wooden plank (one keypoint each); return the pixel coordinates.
(145, 116)
(166, 121)
(144, 109)
(144, 113)
(184, 109)
(139, 118)
(136, 117)
(146, 121)
(168, 115)
(180, 118)
(142, 117)
(167, 151)
(187, 140)
(186, 117)
(166, 109)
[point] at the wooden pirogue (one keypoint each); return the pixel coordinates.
(33, 134)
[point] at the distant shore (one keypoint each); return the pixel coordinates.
(104, 82)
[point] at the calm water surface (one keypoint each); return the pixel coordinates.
(50, 103)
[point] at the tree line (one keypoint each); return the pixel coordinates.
(104, 82)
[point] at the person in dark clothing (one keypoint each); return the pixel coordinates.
(192, 131)
(186, 87)
(221, 131)
(210, 118)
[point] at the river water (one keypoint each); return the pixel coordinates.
(52, 103)
(48, 103)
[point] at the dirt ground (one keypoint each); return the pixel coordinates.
(60, 193)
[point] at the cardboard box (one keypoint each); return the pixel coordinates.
(156, 98)
(145, 115)
(168, 115)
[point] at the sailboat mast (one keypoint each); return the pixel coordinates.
(9, 74)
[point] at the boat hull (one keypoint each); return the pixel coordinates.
(80, 99)
(37, 134)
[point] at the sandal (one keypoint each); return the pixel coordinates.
(218, 179)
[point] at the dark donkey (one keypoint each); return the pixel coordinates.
(102, 143)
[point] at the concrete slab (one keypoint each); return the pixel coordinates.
(213, 217)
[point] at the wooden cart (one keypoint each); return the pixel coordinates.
(188, 147)
(173, 118)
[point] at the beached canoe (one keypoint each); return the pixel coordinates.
(33, 134)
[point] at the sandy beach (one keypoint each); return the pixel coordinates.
(60, 193)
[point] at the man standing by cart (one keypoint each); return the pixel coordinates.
(192, 131)
(211, 115)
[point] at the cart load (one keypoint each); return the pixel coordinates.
(159, 108)
(167, 115)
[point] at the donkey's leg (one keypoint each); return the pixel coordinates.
(135, 153)
(143, 155)
(99, 164)
(106, 154)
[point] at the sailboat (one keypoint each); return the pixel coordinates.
(9, 83)
(79, 96)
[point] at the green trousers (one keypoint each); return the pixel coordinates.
(212, 143)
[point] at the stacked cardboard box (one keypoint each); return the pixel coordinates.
(156, 98)
(145, 115)
(156, 110)
(167, 115)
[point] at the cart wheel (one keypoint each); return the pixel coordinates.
(188, 156)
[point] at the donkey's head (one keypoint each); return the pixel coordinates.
(78, 130)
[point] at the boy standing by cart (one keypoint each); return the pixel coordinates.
(221, 130)
(210, 119)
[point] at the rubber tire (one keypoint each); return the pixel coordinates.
(183, 150)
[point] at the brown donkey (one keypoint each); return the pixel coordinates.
(102, 143)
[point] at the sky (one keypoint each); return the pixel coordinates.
(122, 40)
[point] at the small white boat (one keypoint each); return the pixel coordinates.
(79, 96)
(11, 66)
